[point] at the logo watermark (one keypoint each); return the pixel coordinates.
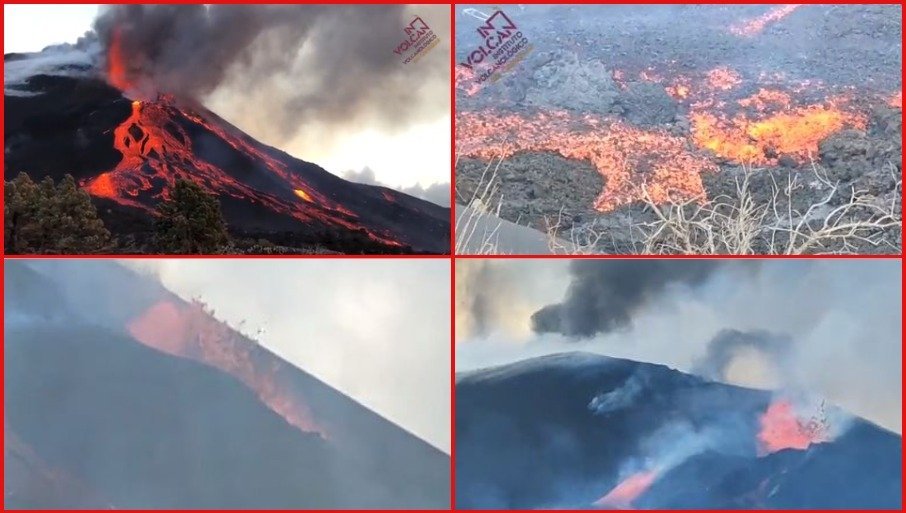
(503, 46)
(419, 39)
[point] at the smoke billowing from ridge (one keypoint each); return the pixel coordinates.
(604, 296)
(292, 65)
(760, 352)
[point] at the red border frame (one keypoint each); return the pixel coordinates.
(452, 257)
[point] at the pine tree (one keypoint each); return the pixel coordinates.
(190, 222)
(44, 218)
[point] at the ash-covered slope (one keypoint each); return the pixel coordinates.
(579, 430)
(65, 118)
(208, 424)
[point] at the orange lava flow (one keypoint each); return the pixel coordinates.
(302, 194)
(626, 156)
(770, 127)
(781, 428)
(628, 490)
(157, 150)
(188, 331)
(755, 26)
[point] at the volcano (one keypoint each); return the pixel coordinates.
(129, 397)
(63, 115)
(587, 431)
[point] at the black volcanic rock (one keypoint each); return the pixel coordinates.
(562, 431)
(127, 425)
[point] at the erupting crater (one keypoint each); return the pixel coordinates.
(782, 428)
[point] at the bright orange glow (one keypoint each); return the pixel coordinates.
(302, 194)
(781, 428)
(628, 490)
(755, 26)
(102, 186)
(189, 331)
(626, 156)
(896, 100)
(157, 150)
(770, 127)
(116, 63)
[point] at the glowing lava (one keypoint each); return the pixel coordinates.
(157, 150)
(781, 428)
(188, 331)
(302, 194)
(626, 156)
(755, 26)
(769, 125)
(628, 490)
(116, 63)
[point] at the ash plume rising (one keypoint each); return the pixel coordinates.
(731, 344)
(291, 64)
(603, 296)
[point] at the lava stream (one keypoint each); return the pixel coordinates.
(188, 331)
(157, 150)
(755, 26)
(627, 157)
(628, 490)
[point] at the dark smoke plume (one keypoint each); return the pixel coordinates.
(729, 343)
(604, 295)
(312, 63)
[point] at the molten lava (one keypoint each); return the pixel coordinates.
(768, 125)
(302, 194)
(755, 26)
(157, 150)
(626, 156)
(189, 331)
(781, 428)
(628, 490)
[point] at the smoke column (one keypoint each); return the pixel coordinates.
(297, 64)
(603, 296)
(731, 344)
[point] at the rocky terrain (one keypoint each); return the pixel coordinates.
(838, 69)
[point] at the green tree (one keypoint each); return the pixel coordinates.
(190, 222)
(48, 218)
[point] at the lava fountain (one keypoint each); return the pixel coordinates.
(189, 331)
(782, 428)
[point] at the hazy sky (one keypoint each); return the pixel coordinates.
(377, 330)
(402, 157)
(843, 316)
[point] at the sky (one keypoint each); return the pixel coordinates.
(402, 157)
(376, 330)
(843, 317)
